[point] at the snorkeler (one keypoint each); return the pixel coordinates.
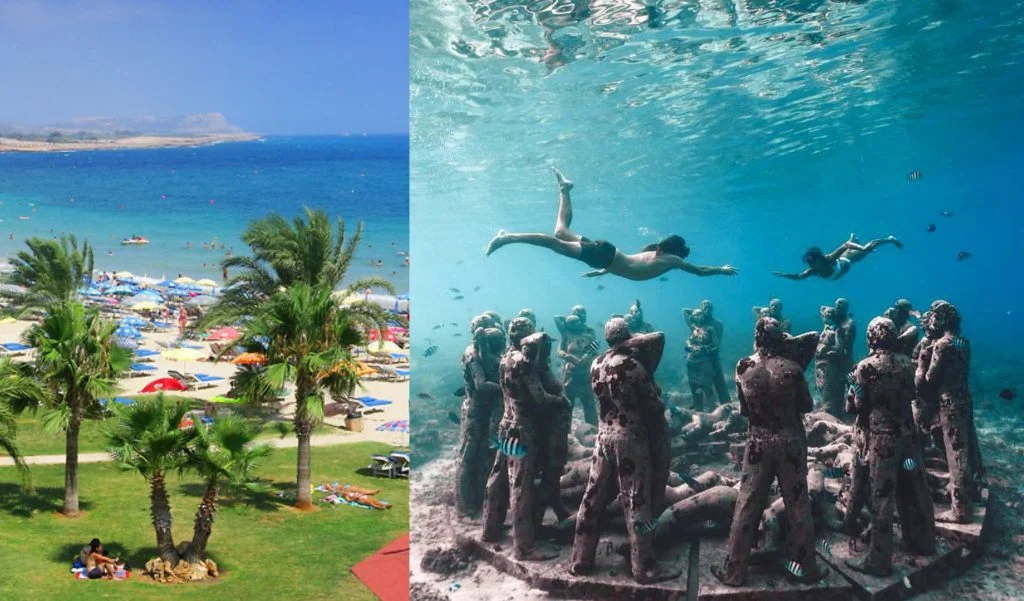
(837, 263)
(651, 262)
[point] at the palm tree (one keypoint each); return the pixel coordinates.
(222, 455)
(51, 270)
(18, 391)
(78, 361)
(147, 439)
(307, 336)
(307, 250)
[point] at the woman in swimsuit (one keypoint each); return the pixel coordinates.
(601, 255)
(837, 263)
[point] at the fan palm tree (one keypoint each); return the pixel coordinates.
(147, 439)
(78, 362)
(307, 337)
(18, 391)
(51, 271)
(306, 250)
(222, 455)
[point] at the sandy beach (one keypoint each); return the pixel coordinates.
(129, 143)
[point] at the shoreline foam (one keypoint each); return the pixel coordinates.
(129, 143)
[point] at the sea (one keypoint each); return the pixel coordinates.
(209, 195)
(754, 129)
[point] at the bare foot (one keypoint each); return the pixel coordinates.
(563, 184)
(895, 242)
(499, 240)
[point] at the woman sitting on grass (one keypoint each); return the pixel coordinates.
(96, 564)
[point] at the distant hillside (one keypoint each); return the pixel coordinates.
(84, 128)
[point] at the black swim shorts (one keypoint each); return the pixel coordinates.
(599, 254)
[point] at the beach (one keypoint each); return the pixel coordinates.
(126, 143)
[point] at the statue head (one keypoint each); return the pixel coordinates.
(574, 325)
(901, 311)
(828, 315)
(842, 308)
(480, 321)
(882, 334)
(616, 331)
(775, 308)
(768, 334)
(635, 310)
(533, 347)
(528, 314)
(705, 306)
(519, 329)
(495, 340)
(581, 312)
(698, 316)
(494, 317)
(944, 318)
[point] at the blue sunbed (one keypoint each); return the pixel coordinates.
(402, 372)
(146, 353)
(208, 378)
(14, 347)
(142, 367)
(369, 401)
(119, 400)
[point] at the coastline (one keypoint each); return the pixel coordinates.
(129, 143)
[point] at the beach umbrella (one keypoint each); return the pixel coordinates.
(127, 342)
(250, 359)
(202, 300)
(124, 275)
(224, 334)
(184, 280)
(149, 295)
(190, 288)
(207, 283)
(166, 284)
(132, 322)
(386, 347)
(127, 332)
(90, 291)
(401, 425)
(164, 384)
(121, 290)
(182, 355)
(146, 306)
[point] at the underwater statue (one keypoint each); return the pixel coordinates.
(631, 407)
(773, 396)
(847, 329)
(555, 428)
(881, 392)
(701, 345)
(773, 310)
(496, 492)
(495, 320)
(829, 364)
(528, 314)
(635, 319)
(577, 349)
(900, 313)
(482, 401)
(945, 364)
(721, 390)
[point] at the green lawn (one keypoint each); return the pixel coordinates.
(33, 440)
(266, 549)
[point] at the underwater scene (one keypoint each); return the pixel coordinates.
(735, 152)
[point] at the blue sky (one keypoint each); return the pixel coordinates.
(307, 67)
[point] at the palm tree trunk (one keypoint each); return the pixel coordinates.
(71, 463)
(160, 512)
(204, 525)
(304, 431)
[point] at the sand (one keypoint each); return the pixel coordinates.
(133, 142)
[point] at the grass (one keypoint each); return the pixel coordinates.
(34, 440)
(266, 549)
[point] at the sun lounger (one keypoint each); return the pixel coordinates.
(401, 463)
(14, 349)
(119, 400)
(195, 380)
(383, 465)
(143, 355)
(140, 369)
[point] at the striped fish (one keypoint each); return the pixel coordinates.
(592, 346)
(960, 343)
(854, 388)
(826, 547)
(794, 568)
(695, 485)
(915, 176)
(644, 528)
(909, 464)
(509, 447)
(834, 472)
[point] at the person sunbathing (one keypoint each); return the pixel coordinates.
(652, 261)
(364, 499)
(96, 564)
(837, 263)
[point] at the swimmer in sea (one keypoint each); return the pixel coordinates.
(649, 263)
(837, 263)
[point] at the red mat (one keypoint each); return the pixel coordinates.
(386, 572)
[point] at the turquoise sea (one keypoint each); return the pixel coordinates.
(198, 195)
(753, 128)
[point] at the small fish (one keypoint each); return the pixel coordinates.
(909, 464)
(930, 228)
(476, 289)
(695, 485)
(425, 396)
(453, 324)
(459, 297)
(663, 279)
(794, 568)
(963, 255)
(454, 586)
(460, 391)
(855, 388)
(453, 418)
(509, 447)
(826, 547)
(960, 343)
(600, 287)
(946, 213)
(593, 346)
(459, 262)
(438, 326)
(645, 528)
(457, 335)
(1007, 394)
(430, 350)
(835, 472)
(710, 524)
(914, 176)
(453, 290)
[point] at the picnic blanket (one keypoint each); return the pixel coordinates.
(79, 572)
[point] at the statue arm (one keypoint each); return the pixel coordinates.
(480, 381)
(940, 352)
